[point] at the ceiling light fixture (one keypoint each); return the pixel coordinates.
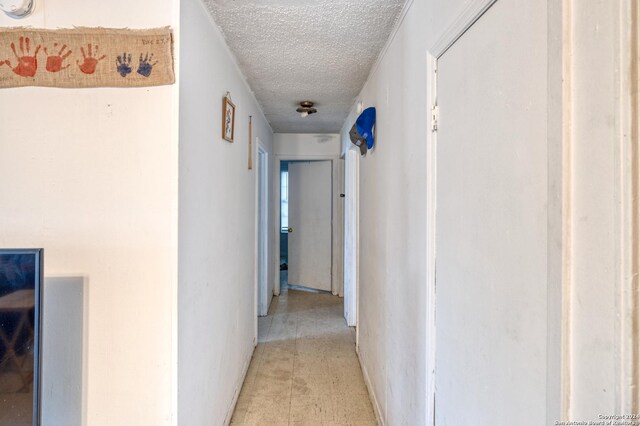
(17, 8)
(306, 108)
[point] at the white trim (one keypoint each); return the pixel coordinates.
(558, 209)
(175, 240)
(628, 228)
(567, 206)
(238, 388)
(335, 190)
(460, 24)
(372, 395)
(357, 252)
(262, 225)
(339, 243)
(350, 274)
(431, 240)
(256, 251)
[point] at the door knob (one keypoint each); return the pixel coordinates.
(290, 230)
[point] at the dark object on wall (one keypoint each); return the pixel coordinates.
(362, 131)
(20, 335)
(358, 140)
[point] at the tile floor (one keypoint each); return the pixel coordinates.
(305, 370)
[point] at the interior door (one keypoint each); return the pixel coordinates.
(351, 237)
(264, 295)
(491, 221)
(310, 236)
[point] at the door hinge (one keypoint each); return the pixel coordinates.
(435, 115)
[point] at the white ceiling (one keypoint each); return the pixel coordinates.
(295, 50)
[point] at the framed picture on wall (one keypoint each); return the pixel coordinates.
(228, 119)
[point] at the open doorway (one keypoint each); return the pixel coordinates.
(296, 178)
(306, 210)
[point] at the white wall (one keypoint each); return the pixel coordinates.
(306, 144)
(393, 208)
(217, 225)
(392, 227)
(90, 175)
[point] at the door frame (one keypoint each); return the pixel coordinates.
(336, 211)
(351, 246)
(262, 232)
(456, 28)
(628, 172)
(559, 187)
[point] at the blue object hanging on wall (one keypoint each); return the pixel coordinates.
(361, 132)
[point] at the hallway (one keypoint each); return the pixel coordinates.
(304, 370)
(484, 240)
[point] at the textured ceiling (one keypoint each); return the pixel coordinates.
(294, 50)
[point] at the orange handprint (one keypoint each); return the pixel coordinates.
(27, 65)
(54, 62)
(90, 62)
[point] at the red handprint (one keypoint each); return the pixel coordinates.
(27, 65)
(54, 62)
(90, 62)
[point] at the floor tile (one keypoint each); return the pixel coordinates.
(350, 407)
(305, 371)
(268, 410)
(312, 408)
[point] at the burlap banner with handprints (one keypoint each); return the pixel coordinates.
(86, 57)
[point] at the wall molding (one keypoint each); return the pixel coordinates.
(459, 25)
(431, 168)
(567, 209)
(238, 387)
(628, 396)
(372, 395)
(350, 249)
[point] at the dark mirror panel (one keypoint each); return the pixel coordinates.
(20, 289)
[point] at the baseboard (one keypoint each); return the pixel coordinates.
(236, 394)
(372, 396)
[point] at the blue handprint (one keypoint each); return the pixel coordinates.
(146, 66)
(123, 64)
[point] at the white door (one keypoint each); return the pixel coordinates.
(264, 295)
(491, 221)
(351, 237)
(309, 258)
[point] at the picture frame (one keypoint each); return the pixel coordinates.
(228, 119)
